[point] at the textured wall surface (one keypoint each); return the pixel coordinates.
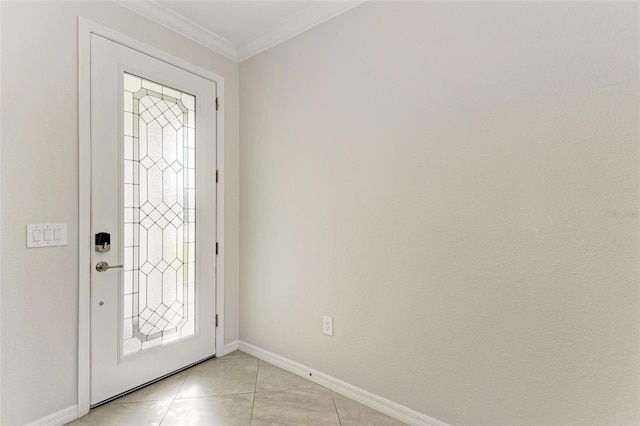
(457, 185)
(40, 184)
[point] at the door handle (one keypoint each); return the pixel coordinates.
(103, 266)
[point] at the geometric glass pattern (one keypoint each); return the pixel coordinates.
(159, 214)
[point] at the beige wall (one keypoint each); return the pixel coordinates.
(39, 184)
(457, 185)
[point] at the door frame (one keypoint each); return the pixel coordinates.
(85, 29)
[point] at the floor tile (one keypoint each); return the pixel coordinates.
(294, 407)
(236, 354)
(162, 390)
(134, 414)
(353, 413)
(225, 410)
(237, 389)
(221, 377)
(218, 362)
(272, 378)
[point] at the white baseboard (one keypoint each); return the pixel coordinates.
(229, 347)
(70, 414)
(362, 396)
(58, 418)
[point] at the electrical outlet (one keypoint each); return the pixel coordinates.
(327, 325)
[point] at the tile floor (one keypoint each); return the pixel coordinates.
(237, 389)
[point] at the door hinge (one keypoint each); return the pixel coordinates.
(216, 320)
(217, 104)
(216, 248)
(217, 176)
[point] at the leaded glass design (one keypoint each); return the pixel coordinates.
(159, 214)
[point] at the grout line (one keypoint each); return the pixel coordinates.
(312, 389)
(176, 395)
(255, 388)
(214, 396)
(336, 408)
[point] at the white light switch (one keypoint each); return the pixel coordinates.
(46, 234)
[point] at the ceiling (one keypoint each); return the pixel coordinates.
(240, 29)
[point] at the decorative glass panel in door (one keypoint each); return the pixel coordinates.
(159, 214)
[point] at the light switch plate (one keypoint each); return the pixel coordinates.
(46, 234)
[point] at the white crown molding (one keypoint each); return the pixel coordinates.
(168, 18)
(308, 19)
(311, 17)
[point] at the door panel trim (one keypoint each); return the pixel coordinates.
(85, 29)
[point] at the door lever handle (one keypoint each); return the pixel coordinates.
(103, 266)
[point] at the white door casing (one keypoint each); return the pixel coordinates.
(111, 371)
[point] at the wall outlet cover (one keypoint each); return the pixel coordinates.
(327, 325)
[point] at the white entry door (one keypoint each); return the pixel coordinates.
(153, 190)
